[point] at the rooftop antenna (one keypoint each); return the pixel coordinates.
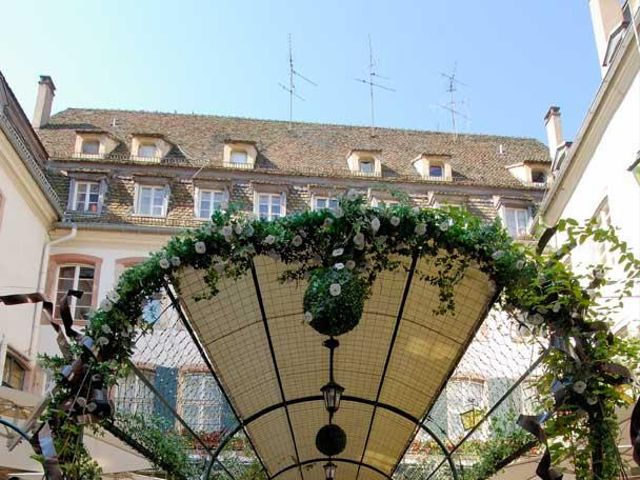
(373, 74)
(452, 106)
(293, 73)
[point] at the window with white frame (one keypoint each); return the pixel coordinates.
(133, 395)
(14, 373)
(270, 205)
(516, 220)
(147, 150)
(151, 201)
(239, 157)
(86, 197)
(321, 203)
(90, 147)
(208, 201)
(75, 277)
(202, 402)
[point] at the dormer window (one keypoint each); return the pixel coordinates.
(365, 162)
(538, 176)
(239, 157)
(239, 154)
(147, 150)
(90, 147)
(433, 167)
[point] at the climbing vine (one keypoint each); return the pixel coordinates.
(340, 254)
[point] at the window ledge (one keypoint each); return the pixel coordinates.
(142, 215)
(366, 174)
(238, 166)
(89, 156)
(437, 179)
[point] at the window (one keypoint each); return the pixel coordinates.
(147, 150)
(367, 165)
(14, 373)
(329, 203)
(209, 201)
(90, 147)
(436, 170)
(133, 396)
(538, 176)
(239, 157)
(201, 402)
(76, 277)
(270, 205)
(384, 202)
(516, 221)
(86, 197)
(152, 201)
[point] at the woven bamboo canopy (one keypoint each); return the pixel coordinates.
(393, 365)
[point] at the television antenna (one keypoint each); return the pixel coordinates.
(292, 89)
(373, 75)
(452, 106)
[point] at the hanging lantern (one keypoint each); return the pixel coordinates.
(332, 393)
(330, 471)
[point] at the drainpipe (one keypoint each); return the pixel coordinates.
(44, 260)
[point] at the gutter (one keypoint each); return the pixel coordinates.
(586, 124)
(118, 227)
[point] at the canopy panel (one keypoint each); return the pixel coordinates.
(393, 365)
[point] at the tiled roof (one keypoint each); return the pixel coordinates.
(305, 148)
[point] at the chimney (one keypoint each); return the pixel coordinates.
(607, 20)
(44, 101)
(553, 124)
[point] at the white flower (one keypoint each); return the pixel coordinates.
(338, 212)
(106, 305)
(444, 226)
(337, 252)
(592, 400)
(421, 229)
(296, 241)
(375, 224)
(219, 267)
(579, 387)
(164, 263)
(339, 266)
(556, 307)
(415, 209)
(237, 229)
(335, 289)
(102, 341)
(352, 194)
(113, 296)
(395, 221)
(200, 247)
(358, 238)
(269, 239)
(497, 254)
(226, 231)
(106, 329)
(308, 317)
(536, 319)
(350, 264)
(175, 261)
(520, 264)
(249, 231)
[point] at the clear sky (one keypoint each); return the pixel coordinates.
(227, 57)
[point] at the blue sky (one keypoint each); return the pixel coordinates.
(227, 58)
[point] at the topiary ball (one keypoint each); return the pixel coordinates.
(334, 300)
(331, 440)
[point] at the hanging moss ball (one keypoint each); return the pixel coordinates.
(334, 300)
(331, 440)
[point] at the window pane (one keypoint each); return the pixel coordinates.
(147, 150)
(13, 375)
(238, 156)
(75, 277)
(321, 203)
(435, 170)
(145, 201)
(366, 166)
(90, 147)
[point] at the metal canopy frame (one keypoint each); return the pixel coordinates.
(419, 423)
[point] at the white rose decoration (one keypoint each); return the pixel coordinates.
(175, 261)
(106, 305)
(164, 263)
(106, 329)
(269, 239)
(395, 221)
(337, 252)
(497, 254)
(113, 296)
(308, 317)
(335, 289)
(579, 387)
(339, 266)
(421, 229)
(358, 238)
(226, 231)
(520, 264)
(375, 224)
(327, 222)
(296, 241)
(338, 212)
(350, 265)
(238, 229)
(249, 231)
(219, 267)
(200, 247)
(444, 226)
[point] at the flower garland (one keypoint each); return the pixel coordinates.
(341, 252)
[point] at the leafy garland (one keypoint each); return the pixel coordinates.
(341, 253)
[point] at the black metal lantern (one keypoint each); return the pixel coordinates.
(332, 393)
(330, 471)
